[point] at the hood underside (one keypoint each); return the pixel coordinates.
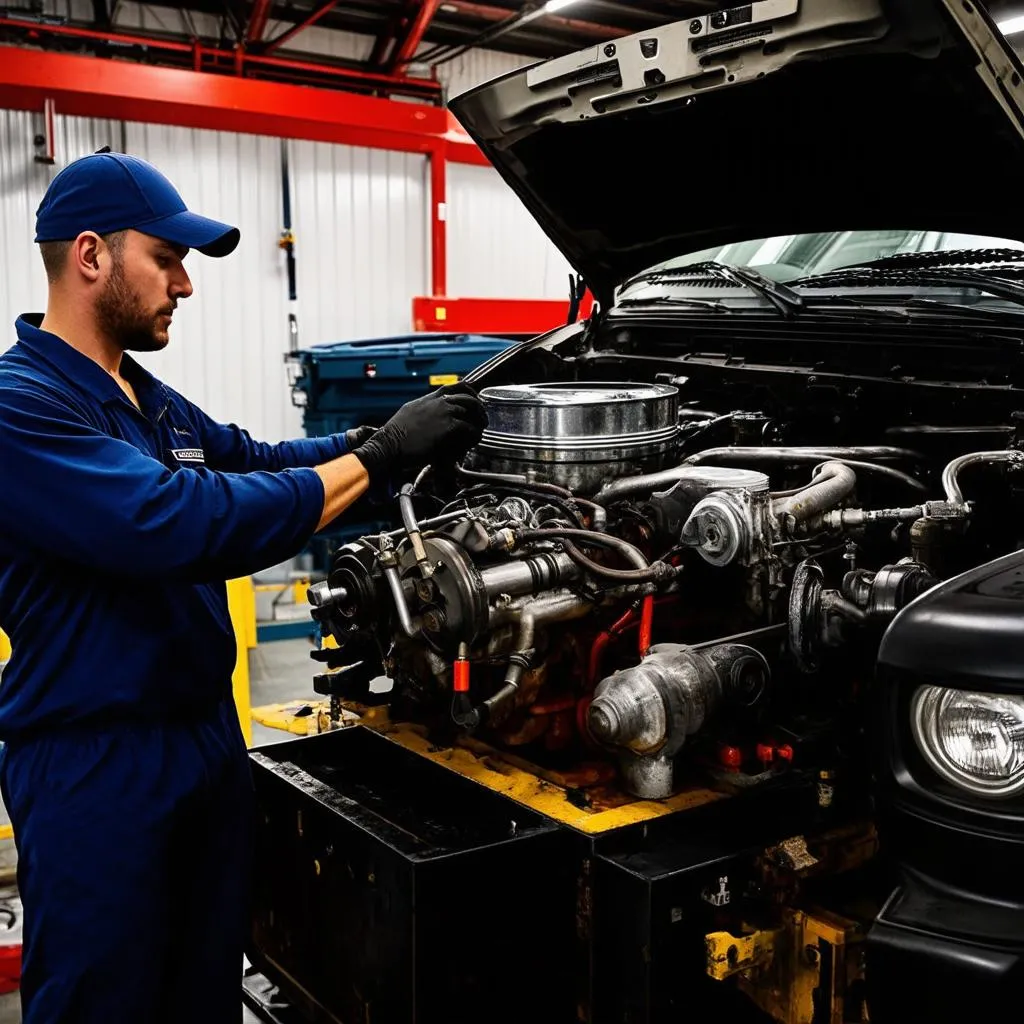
(780, 117)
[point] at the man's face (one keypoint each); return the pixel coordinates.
(146, 280)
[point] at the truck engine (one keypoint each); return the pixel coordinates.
(627, 590)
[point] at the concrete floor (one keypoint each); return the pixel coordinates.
(279, 671)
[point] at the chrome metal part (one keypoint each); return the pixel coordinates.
(695, 479)
(578, 434)
(557, 606)
(731, 525)
(401, 605)
(321, 594)
(649, 710)
(530, 575)
(649, 778)
(950, 481)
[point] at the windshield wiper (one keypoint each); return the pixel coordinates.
(677, 300)
(962, 308)
(854, 307)
(787, 301)
(953, 277)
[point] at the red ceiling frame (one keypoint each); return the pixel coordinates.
(406, 46)
(237, 61)
(128, 91)
(120, 90)
(257, 21)
(300, 26)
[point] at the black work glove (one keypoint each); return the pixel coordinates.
(440, 426)
(357, 436)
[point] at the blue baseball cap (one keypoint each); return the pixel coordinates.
(106, 192)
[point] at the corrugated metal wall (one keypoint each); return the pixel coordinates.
(495, 248)
(22, 184)
(360, 218)
(227, 348)
(361, 239)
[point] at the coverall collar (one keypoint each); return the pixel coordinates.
(85, 372)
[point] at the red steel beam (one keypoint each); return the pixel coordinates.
(312, 19)
(257, 21)
(236, 60)
(124, 91)
(406, 46)
(492, 316)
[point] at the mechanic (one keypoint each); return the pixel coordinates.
(124, 510)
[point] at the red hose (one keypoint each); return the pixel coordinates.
(600, 643)
(646, 624)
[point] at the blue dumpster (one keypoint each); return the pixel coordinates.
(345, 384)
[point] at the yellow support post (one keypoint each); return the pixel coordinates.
(5, 646)
(242, 607)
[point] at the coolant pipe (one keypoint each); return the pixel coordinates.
(950, 483)
(851, 456)
(412, 528)
(624, 487)
(427, 524)
(402, 606)
(627, 486)
(876, 451)
(833, 482)
(603, 540)
(519, 660)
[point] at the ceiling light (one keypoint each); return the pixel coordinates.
(1011, 26)
(556, 5)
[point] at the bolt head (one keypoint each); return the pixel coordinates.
(695, 26)
(609, 50)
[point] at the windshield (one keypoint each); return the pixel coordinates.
(788, 257)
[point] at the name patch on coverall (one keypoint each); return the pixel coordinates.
(189, 455)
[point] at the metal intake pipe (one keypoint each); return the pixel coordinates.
(950, 483)
(833, 482)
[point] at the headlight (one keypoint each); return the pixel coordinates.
(975, 740)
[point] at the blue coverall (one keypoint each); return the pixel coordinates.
(124, 768)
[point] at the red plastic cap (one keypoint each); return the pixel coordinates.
(765, 752)
(731, 757)
(460, 676)
(785, 752)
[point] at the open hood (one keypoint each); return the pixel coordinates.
(779, 117)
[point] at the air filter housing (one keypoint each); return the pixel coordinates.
(579, 434)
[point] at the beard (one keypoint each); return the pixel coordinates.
(124, 318)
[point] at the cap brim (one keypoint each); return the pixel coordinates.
(210, 237)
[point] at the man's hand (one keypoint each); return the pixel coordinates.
(440, 426)
(357, 436)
